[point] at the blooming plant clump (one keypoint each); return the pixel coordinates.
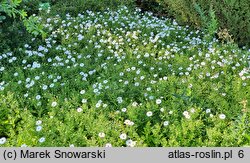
(124, 78)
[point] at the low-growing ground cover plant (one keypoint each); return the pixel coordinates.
(124, 78)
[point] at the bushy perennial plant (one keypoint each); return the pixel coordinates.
(122, 78)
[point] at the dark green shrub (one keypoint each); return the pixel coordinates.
(149, 5)
(180, 9)
(12, 34)
(75, 7)
(16, 20)
(232, 15)
(10, 23)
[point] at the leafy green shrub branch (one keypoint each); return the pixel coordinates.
(209, 23)
(10, 8)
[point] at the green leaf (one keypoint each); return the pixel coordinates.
(23, 14)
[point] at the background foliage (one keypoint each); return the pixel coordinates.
(233, 16)
(75, 7)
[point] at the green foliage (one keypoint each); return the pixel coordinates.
(10, 9)
(123, 78)
(75, 7)
(149, 5)
(209, 23)
(15, 20)
(231, 15)
(34, 27)
(9, 115)
(235, 16)
(182, 10)
(12, 35)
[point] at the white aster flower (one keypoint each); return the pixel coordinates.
(222, 116)
(38, 97)
(39, 122)
(84, 101)
(53, 104)
(123, 136)
(185, 113)
(188, 116)
(42, 139)
(98, 105)
(38, 128)
(124, 109)
(134, 104)
(3, 140)
(208, 110)
(82, 92)
(166, 123)
(130, 143)
(158, 101)
(79, 110)
(149, 113)
(101, 134)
